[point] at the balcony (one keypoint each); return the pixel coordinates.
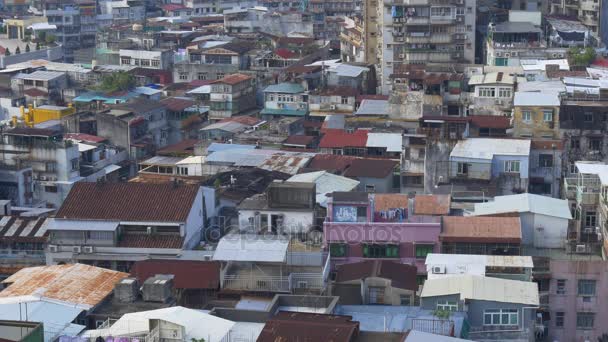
(569, 188)
(587, 195)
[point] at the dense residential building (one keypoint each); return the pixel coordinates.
(231, 95)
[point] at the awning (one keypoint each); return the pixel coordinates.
(59, 224)
(111, 168)
(85, 147)
(251, 248)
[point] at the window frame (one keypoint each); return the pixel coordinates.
(425, 246)
(560, 318)
(581, 285)
(500, 314)
(580, 316)
(560, 286)
(447, 305)
(510, 166)
(338, 246)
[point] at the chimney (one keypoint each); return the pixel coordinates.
(126, 290)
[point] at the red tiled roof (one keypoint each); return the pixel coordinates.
(482, 229)
(294, 40)
(234, 79)
(285, 53)
(150, 241)
(176, 104)
(199, 83)
(35, 92)
(303, 327)
(172, 7)
(338, 91)
(302, 69)
(182, 147)
(331, 162)
(402, 276)
(432, 204)
(303, 140)
(337, 138)
(491, 121)
(129, 202)
(367, 167)
(189, 274)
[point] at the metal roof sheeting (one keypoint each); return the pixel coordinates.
(536, 99)
(58, 224)
(287, 88)
(326, 183)
(197, 325)
(486, 148)
(251, 248)
(391, 141)
(521, 203)
(483, 288)
(473, 264)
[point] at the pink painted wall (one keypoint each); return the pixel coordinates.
(404, 234)
(570, 303)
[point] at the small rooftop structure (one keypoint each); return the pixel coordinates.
(373, 107)
(80, 285)
(481, 229)
(188, 274)
(197, 325)
(432, 204)
(252, 248)
(474, 287)
(492, 78)
(40, 75)
(393, 142)
(473, 264)
(401, 275)
(521, 203)
(326, 183)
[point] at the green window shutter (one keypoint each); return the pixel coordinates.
(365, 251)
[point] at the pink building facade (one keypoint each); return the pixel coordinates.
(355, 230)
(578, 300)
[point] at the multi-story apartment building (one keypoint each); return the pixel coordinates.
(231, 95)
(67, 20)
(43, 166)
(592, 13)
(414, 32)
(152, 59)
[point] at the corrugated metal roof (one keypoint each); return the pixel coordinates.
(216, 147)
(197, 325)
(252, 248)
(288, 88)
(39, 75)
(474, 264)
(346, 70)
(522, 203)
(189, 274)
(228, 126)
(373, 107)
(486, 148)
(483, 288)
(541, 64)
(536, 99)
(326, 183)
(78, 284)
(58, 224)
(55, 317)
(392, 141)
(161, 160)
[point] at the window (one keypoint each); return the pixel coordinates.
(526, 115)
(500, 317)
(182, 171)
(219, 75)
(548, 115)
(559, 319)
(585, 320)
(337, 249)
(74, 163)
(380, 251)
(575, 142)
(504, 92)
(370, 188)
(446, 305)
(512, 166)
(595, 144)
(588, 117)
(344, 100)
(560, 286)
(155, 63)
(463, 168)
(487, 92)
(405, 300)
(183, 76)
(145, 62)
(50, 188)
(125, 61)
(423, 250)
(590, 219)
(586, 287)
(202, 76)
(545, 160)
(51, 167)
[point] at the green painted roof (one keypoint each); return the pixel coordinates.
(286, 112)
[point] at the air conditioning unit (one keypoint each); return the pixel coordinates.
(588, 230)
(43, 178)
(401, 55)
(332, 107)
(514, 53)
(507, 55)
(438, 269)
(149, 230)
(76, 249)
(498, 54)
(581, 249)
(53, 249)
(207, 257)
(88, 249)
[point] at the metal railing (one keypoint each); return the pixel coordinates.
(257, 283)
(434, 326)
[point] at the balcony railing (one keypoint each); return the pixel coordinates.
(257, 283)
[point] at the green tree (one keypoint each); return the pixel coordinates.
(118, 81)
(42, 36)
(50, 39)
(37, 46)
(7, 52)
(27, 48)
(581, 57)
(17, 51)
